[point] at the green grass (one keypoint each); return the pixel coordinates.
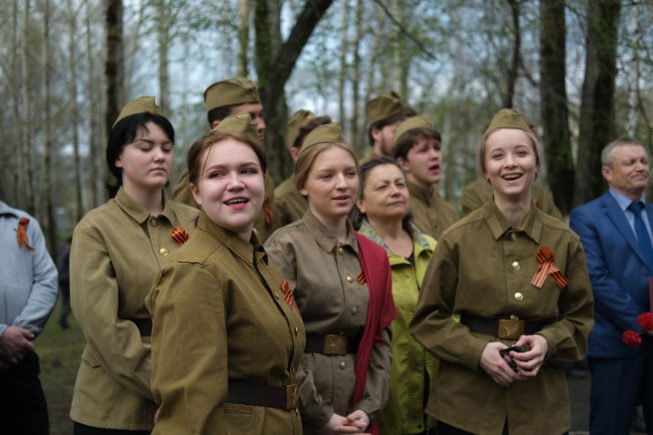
(60, 352)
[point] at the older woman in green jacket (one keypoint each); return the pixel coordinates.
(384, 203)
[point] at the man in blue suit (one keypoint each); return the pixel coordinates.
(616, 233)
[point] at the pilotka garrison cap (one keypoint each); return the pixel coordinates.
(507, 118)
(240, 125)
(326, 133)
(238, 90)
(411, 123)
(138, 105)
(298, 120)
(384, 106)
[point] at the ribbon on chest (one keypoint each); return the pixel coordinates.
(546, 267)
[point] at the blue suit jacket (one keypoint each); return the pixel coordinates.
(618, 273)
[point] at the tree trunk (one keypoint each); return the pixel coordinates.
(274, 64)
(356, 138)
(554, 107)
(26, 171)
(114, 67)
(342, 73)
(163, 34)
(74, 108)
(51, 223)
(597, 123)
(244, 13)
(513, 70)
(94, 132)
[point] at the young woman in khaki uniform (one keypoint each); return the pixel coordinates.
(346, 367)
(116, 252)
(385, 207)
(516, 276)
(227, 335)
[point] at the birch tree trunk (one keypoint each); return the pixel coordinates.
(513, 70)
(94, 131)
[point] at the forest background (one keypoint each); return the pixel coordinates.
(578, 69)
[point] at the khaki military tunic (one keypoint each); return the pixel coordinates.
(482, 267)
(116, 252)
(323, 274)
(431, 213)
(220, 313)
(478, 192)
(264, 226)
(290, 204)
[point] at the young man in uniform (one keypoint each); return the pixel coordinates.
(230, 97)
(384, 113)
(417, 149)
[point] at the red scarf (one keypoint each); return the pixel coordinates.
(380, 310)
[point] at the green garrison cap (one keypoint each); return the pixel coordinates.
(298, 119)
(411, 123)
(139, 105)
(240, 125)
(326, 133)
(384, 106)
(507, 118)
(228, 92)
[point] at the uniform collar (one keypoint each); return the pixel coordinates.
(5, 209)
(420, 244)
(139, 213)
(325, 240)
(500, 228)
(245, 250)
(424, 194)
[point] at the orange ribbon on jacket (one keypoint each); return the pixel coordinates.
(287, 293)
(179, 235)
(21, 233)
(545, 267)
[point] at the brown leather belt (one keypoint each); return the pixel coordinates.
(144, 326)
(330, 344)
(250, 393)
(505, 329)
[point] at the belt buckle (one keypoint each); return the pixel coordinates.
(510, 329)
(292, 396)
(335, 344)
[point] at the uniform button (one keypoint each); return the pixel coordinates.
(296, 330)
(350, 279)
(163, 251)
(519, 296)
(343, 365)
(355, 310)
(276, 296)
(515, 265)
(153, 222)
(341, 251)
(513, 236)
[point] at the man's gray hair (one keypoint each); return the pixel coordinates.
(606, 153)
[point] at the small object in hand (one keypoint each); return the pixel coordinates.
(507, 350)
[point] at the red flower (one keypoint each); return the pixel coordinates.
(645, 320)
(632, 338)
